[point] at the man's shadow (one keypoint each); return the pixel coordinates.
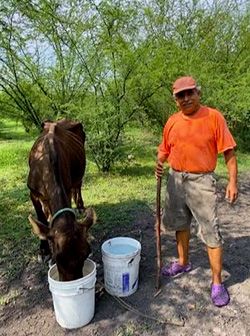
(236, 259)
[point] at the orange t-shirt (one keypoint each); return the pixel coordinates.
(192, 143)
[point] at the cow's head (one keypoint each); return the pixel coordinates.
(70, 248)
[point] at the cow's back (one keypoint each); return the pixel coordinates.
(57, 158)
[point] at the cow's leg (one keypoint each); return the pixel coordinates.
(45, 253)
(77, 196)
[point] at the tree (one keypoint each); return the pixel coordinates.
(109, 63)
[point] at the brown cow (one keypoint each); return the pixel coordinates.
(57, 165)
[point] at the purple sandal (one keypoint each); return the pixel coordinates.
(219, 295)
(174, 268)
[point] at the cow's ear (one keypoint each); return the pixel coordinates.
(89, 219)
(39, 228)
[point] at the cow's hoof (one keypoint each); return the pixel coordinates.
(47, 258)
(41, 258)
(51, 262)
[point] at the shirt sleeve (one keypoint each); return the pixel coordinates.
(224, 138)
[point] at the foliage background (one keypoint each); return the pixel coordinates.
(110, 64)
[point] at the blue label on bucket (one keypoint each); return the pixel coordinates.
(125, 282)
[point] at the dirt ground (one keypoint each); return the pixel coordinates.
(184, 299)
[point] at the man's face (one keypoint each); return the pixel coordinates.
(188, 101)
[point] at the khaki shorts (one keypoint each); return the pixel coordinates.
(192, 196)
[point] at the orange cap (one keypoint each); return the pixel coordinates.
(184, 83)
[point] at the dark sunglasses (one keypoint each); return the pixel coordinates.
(184, 93)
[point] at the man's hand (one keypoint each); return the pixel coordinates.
(159, 169)
(231, 192)
(231, 162)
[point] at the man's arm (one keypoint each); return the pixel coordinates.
(163, 152)
(231, 162)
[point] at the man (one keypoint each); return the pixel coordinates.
(192, 139)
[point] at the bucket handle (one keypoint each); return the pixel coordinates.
(84, 289)
(130, 261)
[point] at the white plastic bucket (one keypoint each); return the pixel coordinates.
(74, 301)
(121, 258)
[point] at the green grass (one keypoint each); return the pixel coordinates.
(243, 160)
(118, 197)
(129, 189)
(12, 130)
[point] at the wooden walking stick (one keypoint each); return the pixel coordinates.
(158, 234)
